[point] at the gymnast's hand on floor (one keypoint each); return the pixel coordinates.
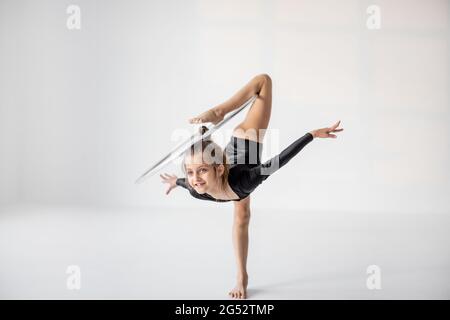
(171, 180)
(325, 132)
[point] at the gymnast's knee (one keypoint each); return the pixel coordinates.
(265, 77)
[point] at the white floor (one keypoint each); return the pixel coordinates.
(174, 254)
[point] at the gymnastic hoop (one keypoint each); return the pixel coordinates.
(185, 145)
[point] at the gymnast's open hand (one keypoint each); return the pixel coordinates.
(325, 132)
(171, 180)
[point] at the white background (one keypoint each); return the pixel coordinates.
(83, 113)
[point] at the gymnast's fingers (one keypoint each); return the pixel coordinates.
(335, 125)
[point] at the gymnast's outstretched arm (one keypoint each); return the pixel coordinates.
(182, 183)
(173, 181)
(258, 174)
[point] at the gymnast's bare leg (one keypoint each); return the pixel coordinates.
(258, 116)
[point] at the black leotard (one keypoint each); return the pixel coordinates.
(245, 176)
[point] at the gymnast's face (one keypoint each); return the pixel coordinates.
(201, 176)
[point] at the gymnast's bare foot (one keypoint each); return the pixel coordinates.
(240, 290)
(212, 115)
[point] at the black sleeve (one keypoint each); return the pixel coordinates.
(258, 174)
(182, 183)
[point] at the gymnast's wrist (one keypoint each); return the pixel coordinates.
(313, 133)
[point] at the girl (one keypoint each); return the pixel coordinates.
(234, 173)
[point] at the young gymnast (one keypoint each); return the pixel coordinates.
(234, 173)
